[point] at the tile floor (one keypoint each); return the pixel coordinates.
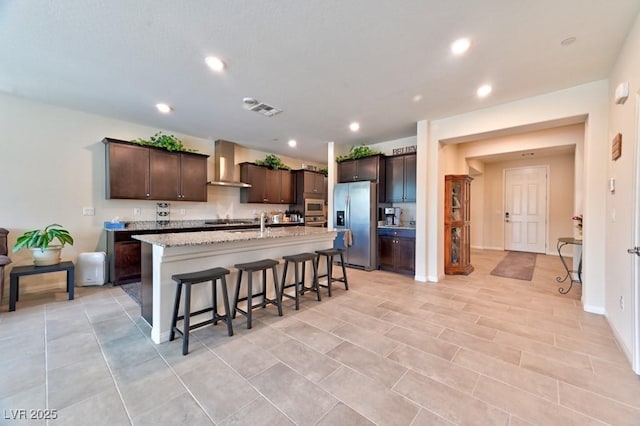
(469, 350)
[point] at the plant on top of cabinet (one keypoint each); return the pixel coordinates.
(273, 162)
(168, 142)
(357, 152)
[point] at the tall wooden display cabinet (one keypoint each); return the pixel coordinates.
(457, 224)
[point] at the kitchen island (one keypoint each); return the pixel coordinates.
(164, 255)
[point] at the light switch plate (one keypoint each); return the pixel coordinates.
(88, 211)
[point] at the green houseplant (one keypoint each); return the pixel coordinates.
(272, 161)
(39, 242)
(160, 140)
(356, 152)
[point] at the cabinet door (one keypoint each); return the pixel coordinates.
(385, 251)
(255, 176)
(272, 186)
(286, 187)
(410, 178)
(309, 183)
(395, 180)
(368, 168)
(405, 255)
(193, 178)
(164, 177)
(126, 261)
(127, 171)
(347, 171)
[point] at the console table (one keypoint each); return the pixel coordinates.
(561, 243)
(20, 271)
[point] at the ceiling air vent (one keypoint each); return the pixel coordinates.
(265, 109)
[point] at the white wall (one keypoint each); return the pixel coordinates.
(53, 165)
(619, 206)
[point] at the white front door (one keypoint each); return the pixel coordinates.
(525, 213)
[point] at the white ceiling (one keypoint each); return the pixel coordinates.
(325, 63)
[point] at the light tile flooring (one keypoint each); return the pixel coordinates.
(469, 350)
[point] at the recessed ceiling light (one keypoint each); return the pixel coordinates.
(214, 63)
(355, 126)
(567, 41)
(460, 46)
(484, 90)
(164, 108)
(417, 98)
(292, 143)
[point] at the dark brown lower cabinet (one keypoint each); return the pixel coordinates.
(397, 250)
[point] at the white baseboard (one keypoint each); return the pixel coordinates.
(628, 353)
(594, 309)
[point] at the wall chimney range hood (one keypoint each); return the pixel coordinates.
(225, 165)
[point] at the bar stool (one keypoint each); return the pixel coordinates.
(214, 275)
(251, 267)
(299, 283)
(329, 253)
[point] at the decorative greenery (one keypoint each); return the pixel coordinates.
(41, 238)
(357, 152)
(272, 161)
(324, 171)
(160, 140)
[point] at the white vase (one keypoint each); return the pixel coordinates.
(50, 255)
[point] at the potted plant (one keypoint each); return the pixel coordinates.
(357, 152)
(273, 162)
(168, 142)
(39, 242)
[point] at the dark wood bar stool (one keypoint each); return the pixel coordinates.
(214, 275)
(299, 282)
(251, 267)
(329, 254)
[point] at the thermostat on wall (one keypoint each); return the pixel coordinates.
(622, 92)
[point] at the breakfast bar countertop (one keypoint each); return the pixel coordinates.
(213, 224)
(229, 236)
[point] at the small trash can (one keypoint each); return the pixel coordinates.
(91, 269)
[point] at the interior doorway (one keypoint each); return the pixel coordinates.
(525, 211)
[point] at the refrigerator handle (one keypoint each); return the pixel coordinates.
(348, 208)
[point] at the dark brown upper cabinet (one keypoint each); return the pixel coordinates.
(367, 168)
(401, 179)
(310, 184)
(268, 186)
(147, 173)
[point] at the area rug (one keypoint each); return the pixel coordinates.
(133, 290)
(516, 264)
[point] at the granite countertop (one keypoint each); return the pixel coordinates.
(217, 237)
(396, 227)
(152, 225)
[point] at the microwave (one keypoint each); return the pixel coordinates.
(313, 207)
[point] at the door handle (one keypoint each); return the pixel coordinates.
(635, 250)
(506, 217)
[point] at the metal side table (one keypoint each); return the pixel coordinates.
(561, 243)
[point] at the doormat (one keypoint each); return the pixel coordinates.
(133, 290)
(516, 264)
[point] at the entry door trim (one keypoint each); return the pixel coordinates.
(546, 213)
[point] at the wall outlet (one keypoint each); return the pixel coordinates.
(622, 303)
(136, 211)
(88, 211)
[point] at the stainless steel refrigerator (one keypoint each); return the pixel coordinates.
(355, 208)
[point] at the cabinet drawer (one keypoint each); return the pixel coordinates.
(402, 233)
